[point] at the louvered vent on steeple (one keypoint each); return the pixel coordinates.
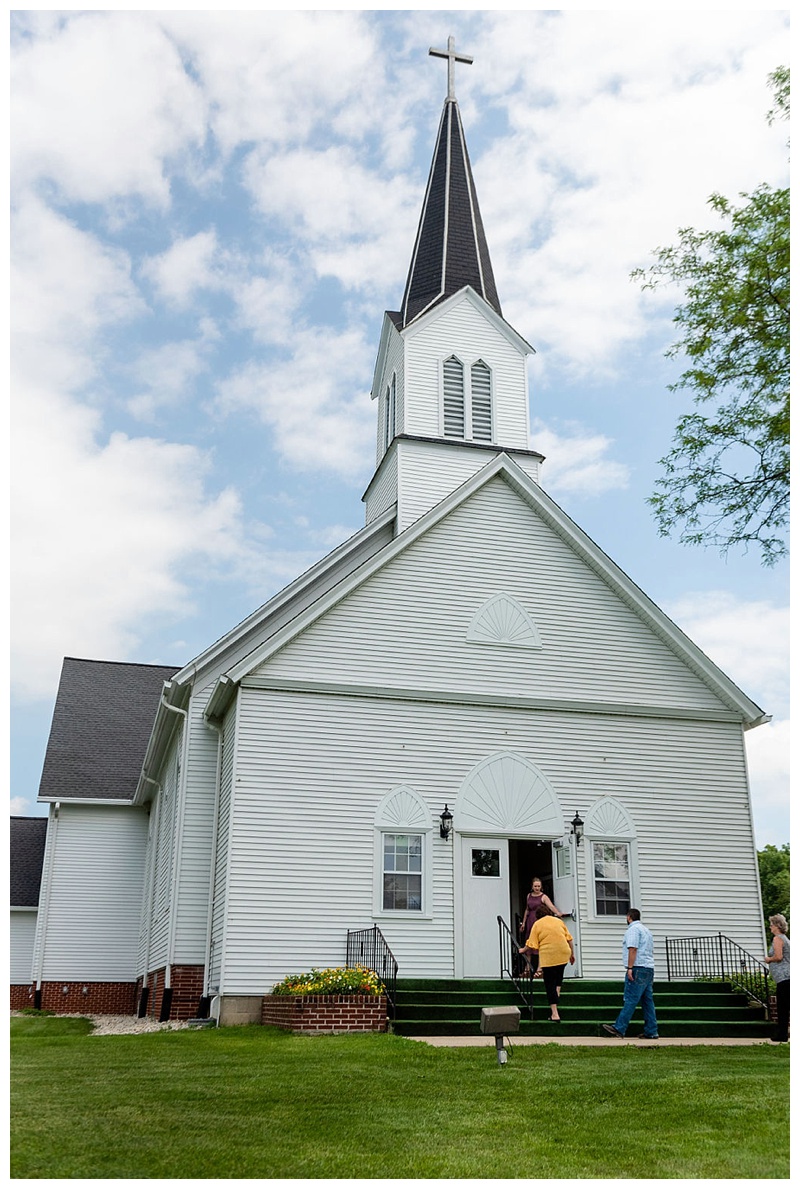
(450, 250)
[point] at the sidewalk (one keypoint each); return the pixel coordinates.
(457, 1042)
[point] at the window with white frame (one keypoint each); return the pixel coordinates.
(402, 872)
(467, 401)
(390, 413)
(612, 878)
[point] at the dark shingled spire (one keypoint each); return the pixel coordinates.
(451, 249)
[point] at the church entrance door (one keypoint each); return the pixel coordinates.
(485, 897)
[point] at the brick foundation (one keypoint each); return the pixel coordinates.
(325, 1013)
(21, 996)
(113, 999)
(187, 991)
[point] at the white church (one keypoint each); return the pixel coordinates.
(465, 694)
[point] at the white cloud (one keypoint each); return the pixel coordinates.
(314, 402)
(579, 461)
(185, 267)
(272, 77)
(98, 548)
(101, 525)
(166, 373)
(22, 807)
(66, 288)
(354, 223)
(749, 640)
(268, 296)
(622, 125)
(100, 102)
(768, 760)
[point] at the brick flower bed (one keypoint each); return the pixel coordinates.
(325, 1013)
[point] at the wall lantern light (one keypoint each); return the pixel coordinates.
(577, 828)
(445, 823)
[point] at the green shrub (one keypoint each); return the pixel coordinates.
(336, 980)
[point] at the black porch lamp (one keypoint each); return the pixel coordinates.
(577, 828)
(445, 823)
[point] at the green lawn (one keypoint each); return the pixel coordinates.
(256, 1102)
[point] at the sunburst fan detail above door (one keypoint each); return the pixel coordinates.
(506, 794)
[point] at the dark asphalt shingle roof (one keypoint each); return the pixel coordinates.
(26, 854)
(102, 720)
(451, 249)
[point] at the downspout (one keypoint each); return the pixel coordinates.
(36, 974)
(151, 879)
(213, 875)
(179, 819)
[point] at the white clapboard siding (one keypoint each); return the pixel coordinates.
(218, 913)
(429, 471)
(163, 859)
(407, 625)
(311, 770)
(197, 824)
(464, 331)
(95, 894)
(22, 935)
(148, 885)
(382, 492)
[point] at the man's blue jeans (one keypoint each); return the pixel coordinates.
(638, 990)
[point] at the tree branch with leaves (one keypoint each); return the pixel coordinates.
(725, 480)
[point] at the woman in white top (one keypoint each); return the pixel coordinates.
(778, 961)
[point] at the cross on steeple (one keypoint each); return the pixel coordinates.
(452, 58)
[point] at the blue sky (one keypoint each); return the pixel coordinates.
(210, 213)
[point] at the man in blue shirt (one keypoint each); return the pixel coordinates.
(639, 963)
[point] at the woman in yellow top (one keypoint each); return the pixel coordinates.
(551, 943)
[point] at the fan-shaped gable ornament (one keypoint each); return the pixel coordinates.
(608, 819)
(506, 794)
(502, 620)
(403, 809)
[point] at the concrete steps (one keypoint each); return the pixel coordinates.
(442, 1007)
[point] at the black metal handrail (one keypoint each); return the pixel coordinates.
(717, 956)
(510, 965)
(368, 948)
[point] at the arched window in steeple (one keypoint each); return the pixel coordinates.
(481, 386)
(391, 414)
(454, 407)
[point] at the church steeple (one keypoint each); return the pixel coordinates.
(450, 249)
(451, 374)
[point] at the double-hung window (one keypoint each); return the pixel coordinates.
(402, 872)
(612, 878)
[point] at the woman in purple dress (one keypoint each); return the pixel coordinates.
(536, 897)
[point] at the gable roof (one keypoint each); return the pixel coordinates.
(27, 836)
(450, 249)
(102, 719)
(560, 522)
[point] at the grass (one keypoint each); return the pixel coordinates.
(257, 1102)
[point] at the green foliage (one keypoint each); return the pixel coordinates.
(725, 480)
(255, 1102)
(773, 870)
(336, 980)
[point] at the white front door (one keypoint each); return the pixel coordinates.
(485, 897)
(565, 894)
